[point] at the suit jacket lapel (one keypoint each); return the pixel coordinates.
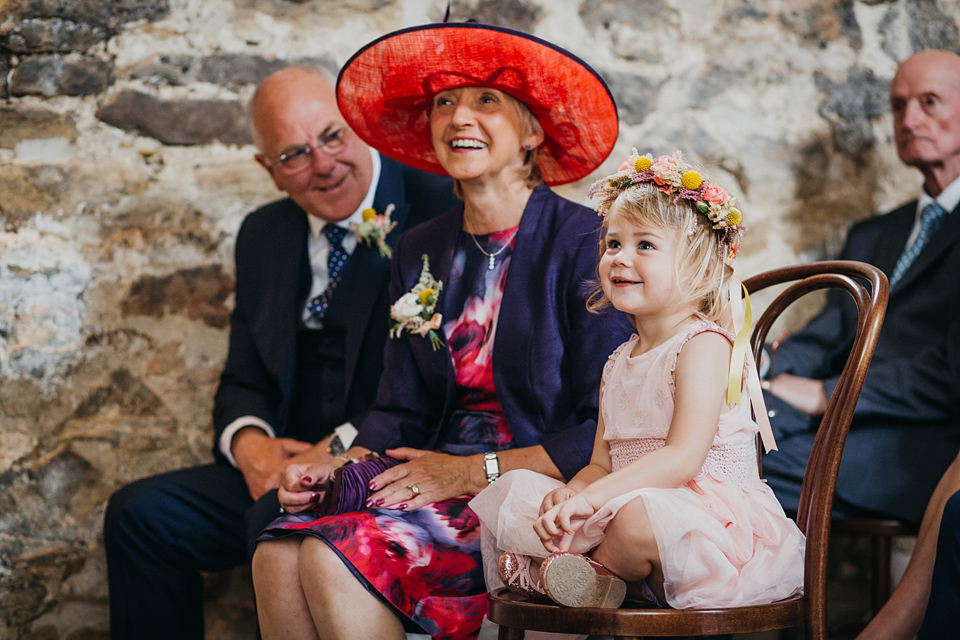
(278, 308)
(945, 237)
(893, 240)
(366, 268)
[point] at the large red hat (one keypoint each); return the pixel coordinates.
(385, 91)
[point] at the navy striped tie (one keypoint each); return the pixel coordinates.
(930, 219)
(336, 260)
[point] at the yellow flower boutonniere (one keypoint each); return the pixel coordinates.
(374, 229)
(414, 311)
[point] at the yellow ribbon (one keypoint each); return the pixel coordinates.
(742, 315)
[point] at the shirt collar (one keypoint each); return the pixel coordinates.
(317, 223)
(949, 198)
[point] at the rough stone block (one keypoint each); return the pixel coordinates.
(237, 68)
(110, 14)
(4, 71)
(174, 70)
(52, 35)
(635, 95)
(181, 122)
(51, 75)
(515, 14)
(19, 123)
(930, 27)
(199, 294)
(825, 22)
(850, 106)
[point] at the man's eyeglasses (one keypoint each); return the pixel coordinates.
(299, 158)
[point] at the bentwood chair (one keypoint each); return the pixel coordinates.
(868, 287)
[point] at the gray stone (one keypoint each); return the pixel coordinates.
(825, 22)
(4, 72)
(180, 122)
(50, 75)
(173, 69)
(655, 14)
(52, 35)
(711, 83)
(887, 27)
(237, 68)
(514, 14)
(850, 106)
(107, 13)
(931, 28)
(18, 122)
(635, 95)
(198, 294)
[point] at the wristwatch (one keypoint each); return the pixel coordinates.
(336, 447)
(491, 466)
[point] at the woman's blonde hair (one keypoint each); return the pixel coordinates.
(701, 274)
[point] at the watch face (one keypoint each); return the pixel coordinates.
(336, 446)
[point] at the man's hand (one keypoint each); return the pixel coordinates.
(261, 458)
(803, 394)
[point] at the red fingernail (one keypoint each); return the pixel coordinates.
(380, 502)
(402, 506)
(308, 479)
(372, 485)
(314, 497)
(368, 503)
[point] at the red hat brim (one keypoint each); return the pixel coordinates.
(385, 92)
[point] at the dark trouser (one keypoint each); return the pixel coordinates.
(942, 619)
(161, 532)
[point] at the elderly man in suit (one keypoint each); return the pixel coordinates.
(305, 355)
(906, 428)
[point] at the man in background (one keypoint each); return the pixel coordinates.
(906, 428)
(304, 359)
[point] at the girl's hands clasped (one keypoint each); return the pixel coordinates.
(425, 477)
(556, 526)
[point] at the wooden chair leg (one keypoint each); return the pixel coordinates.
(507, 633)
(881, 563)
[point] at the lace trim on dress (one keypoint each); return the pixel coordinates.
(736, 463)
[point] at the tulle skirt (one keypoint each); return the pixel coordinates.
(719, 545)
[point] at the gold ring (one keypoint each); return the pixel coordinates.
(414, 489)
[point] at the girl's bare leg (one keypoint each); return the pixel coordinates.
(341, 606)
(281, 605)
(901, 616)
(629, 548)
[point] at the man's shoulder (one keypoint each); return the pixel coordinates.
(894, 216)
(428, 194)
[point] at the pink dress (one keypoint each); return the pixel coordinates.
(722, 537)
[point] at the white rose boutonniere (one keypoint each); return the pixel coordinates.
(374, 229)
(414, 311)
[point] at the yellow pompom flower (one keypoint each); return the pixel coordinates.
(734, 218)
(642, 163)
(691, 180)
(369, 214)
(425, 296)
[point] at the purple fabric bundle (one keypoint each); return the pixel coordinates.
(351, 485)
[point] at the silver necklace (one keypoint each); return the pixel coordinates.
(491, 257)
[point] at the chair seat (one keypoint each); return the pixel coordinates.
(634, 619)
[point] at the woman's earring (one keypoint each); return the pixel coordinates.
(528, 146)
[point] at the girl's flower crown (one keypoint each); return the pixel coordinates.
(673, 176)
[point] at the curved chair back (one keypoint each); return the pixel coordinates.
(868, 287)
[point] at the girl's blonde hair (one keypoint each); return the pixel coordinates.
(701, 274)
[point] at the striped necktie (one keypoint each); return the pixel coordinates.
(930, 219)
(336, 259)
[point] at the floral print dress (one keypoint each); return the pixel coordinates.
(426, 563)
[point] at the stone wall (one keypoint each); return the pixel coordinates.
(125, 171)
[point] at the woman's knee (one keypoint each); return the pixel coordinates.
(276, 558)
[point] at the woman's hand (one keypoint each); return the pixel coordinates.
(436, 476)
(302, 485)
(561, 521)
(555, 497)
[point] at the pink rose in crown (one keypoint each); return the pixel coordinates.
(715, 194)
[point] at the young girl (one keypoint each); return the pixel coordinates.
(671, 501)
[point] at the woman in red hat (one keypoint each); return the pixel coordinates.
(495, 361)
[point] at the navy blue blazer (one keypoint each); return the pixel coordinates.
(906, 427)
(273, 278)
(549, 351)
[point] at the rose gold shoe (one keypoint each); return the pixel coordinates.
(517, 574)
(575, 580)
